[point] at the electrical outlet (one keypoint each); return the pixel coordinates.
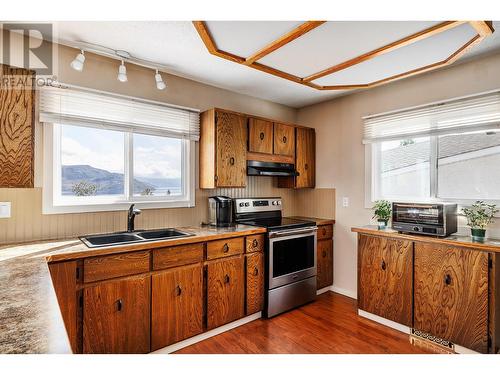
(4, 210)
(345, 201)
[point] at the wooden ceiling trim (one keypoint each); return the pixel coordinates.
(285, 39)
(483, 28)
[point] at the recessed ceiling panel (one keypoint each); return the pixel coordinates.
(244, 38)
(337, 41)
(425, 52)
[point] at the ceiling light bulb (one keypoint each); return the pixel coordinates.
(160, 85)
(122, 73)
(77, 63)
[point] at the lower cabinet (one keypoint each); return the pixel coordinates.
(254, 282)
(385, 274)
(225, 291)
(324, 256)
(176, 305)
(116, 316)
(451, 294)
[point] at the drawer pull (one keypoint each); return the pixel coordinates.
(255, 243)
(226, 279)
(383, 265)
(231, 160)
(178, 290)
(284, 139)
(324, 231)
(447, 279)
(261, 136)
(255, 271)
(324, 253)
(225, 248)
(306, 166)
(119, 304)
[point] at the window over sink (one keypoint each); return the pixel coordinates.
(95, 165)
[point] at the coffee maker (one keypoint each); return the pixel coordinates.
(220, 211)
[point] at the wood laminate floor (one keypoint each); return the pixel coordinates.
(326, 326)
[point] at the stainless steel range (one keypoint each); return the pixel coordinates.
(290, 253)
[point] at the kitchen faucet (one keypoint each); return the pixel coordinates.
(132, 212)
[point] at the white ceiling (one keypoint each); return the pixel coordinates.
(177, 45)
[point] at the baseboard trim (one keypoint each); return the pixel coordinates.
(205, 335)
(345, 292)
(323, 290)
(462, 350)
(385, 322)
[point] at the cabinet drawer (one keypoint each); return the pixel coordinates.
(174, 256)
(224, 248)
(255, 243)
(116, 265)
(325, 232)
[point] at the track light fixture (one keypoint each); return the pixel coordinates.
(77, 63)
(160, 85)
(122, 73)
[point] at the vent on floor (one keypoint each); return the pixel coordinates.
(429, 341)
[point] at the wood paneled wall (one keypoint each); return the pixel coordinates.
(28, 224)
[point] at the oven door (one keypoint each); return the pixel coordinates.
(292, 256)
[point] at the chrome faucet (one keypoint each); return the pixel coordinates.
(132, 212)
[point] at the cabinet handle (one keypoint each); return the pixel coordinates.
(225, 248)
(447, 279)
(231, 160)
(324, 231)
(178, 290)
(383, 265)
(255, 243)
(119, 304)
(226, 279)
(324, 253)
(261, 136)
(284, 139)
(255, 271)
(306, 167)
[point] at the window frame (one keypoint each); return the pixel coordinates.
(53, 204)
(371, 165)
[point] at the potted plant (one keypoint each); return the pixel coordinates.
(382, 212)
(479, 215)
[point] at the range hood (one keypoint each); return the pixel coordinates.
(265, 168)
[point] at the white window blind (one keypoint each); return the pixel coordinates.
(480, 112)
(83, 107)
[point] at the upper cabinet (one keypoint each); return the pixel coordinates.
(260, 136)
(284, 139)
(16, 128)
(223, 154)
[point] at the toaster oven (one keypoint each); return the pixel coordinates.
(433, 219)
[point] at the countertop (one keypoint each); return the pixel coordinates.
(317, 220)
(491, 245)
(30, 319)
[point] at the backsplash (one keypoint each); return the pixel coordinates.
(28, 224)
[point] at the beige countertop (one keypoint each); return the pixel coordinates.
(491, 245)
(30, 319)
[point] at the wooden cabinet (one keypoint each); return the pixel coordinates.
(325, 263)
(223, 142)
(385, 274)
(116, 265)
(451, 294)
(176, 305)
(225, 291)
(305, 161)
(284, 139)
(260, 136)
(17, 106)
(255, 243)
(116, 316)
(225, 248)
(254, 282)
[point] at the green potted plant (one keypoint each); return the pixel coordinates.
(479, 215)
(382, 212)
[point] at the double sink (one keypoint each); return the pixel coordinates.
(120, 238)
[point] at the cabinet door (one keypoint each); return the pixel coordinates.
(116, 316)
(385, 268)
(231, 150)
(305, 158)
(176, 305)
(451, 294)
(225, 292)
(260, 136)
(255, 282)
(324, 263)
(284, 139)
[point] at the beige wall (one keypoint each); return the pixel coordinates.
(340, 154)
(27, 222)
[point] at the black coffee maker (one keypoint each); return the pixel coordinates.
(220, 211)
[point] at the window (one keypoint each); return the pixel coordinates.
(95, 165)
(445, 151)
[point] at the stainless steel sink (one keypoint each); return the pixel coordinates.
(120, 238)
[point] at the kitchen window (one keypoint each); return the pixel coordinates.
(445, 151)
(138, 154)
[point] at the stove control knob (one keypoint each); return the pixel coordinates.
(242, 204)
(274, 203)
(279, 203)
(247, 204)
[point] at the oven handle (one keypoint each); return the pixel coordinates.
(293, 232)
